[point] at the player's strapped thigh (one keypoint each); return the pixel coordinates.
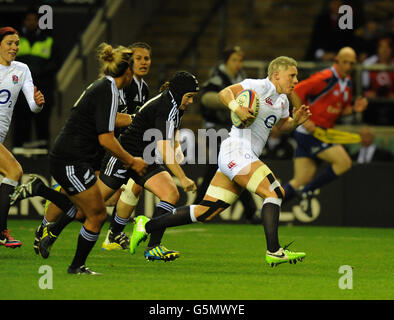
(258, 176)
(220, 199)
(127, 196)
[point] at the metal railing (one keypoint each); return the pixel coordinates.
(311, 66)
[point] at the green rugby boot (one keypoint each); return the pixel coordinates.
(283, 255)
(139, 233)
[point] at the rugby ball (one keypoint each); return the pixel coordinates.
(247, 99)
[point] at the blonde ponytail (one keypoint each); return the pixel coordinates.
(114, 61)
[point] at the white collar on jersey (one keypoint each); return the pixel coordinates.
(140, 85)
(173, 99)
(113, 83)
(341, 81)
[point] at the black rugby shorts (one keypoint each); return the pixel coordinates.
(74, 177)
(114, 174)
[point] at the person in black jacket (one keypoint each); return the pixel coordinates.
(327, 37)
(369, 152)
(217, 116)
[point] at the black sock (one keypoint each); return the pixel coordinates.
(179, 217)
(162, 207)
(58, 198)
(86, 241)
(113, 212)
(270, 216)
(118, 224)
(64, 219)
(6, 189)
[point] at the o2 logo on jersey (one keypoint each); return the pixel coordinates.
(15, 79)
(5, 96)
(270, 121)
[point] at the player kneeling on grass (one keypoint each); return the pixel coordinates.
(239, 164)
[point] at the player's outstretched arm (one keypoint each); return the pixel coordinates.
(300, 115)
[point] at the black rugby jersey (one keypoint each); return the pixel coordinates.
(94, 113)
(134, 96)
(161, 114)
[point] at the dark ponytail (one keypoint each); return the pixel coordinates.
(164, 86)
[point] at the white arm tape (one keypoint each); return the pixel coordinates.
(233, 105)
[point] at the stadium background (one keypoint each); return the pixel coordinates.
(190, 35)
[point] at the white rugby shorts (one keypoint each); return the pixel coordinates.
(234, 155)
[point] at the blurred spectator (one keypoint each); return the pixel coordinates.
(380, 83)
(369, 152)
(217, 116)
(327, 38)
(278, 146)
(36, 49)
(366, 38)
(228, 72)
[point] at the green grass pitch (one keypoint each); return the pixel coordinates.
(218, 262)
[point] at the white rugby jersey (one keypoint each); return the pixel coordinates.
(273, 107)
(13, 78)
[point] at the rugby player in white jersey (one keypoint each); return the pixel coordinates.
(239, 164)
(14, 77)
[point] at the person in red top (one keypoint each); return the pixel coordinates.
(380, 83)
(329, 95)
